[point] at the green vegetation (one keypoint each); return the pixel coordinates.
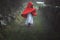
(16, 30)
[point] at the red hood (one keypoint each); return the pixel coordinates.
(29, 9)
(29, 5)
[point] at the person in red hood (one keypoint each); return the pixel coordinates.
(29, 12)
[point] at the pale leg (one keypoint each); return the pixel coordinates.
(29, 19)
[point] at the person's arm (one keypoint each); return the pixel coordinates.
(34, 12)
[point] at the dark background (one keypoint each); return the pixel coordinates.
(51, 24)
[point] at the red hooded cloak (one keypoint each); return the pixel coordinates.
(29, 9)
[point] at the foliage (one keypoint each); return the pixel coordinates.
(16, 30)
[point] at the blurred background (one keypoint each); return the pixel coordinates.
(46, 23)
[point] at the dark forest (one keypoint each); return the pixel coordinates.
(47, 23)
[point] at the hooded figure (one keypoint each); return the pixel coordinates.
(28, 13)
